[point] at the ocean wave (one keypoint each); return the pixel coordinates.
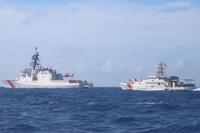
(90, 103)
(23, 128)
(124, 120)
(98, 110)
(148, 103)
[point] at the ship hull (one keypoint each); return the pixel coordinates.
(36, 84)
(126, 86)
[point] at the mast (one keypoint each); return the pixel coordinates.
(35, 60)
(161, 69)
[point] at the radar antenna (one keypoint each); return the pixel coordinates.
(161, 69)
(35, 60)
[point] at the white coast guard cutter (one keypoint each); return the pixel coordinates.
(37, 76)
(159, 82)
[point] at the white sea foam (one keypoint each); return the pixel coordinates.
(197, 89)
(149, 103)
(90, 103)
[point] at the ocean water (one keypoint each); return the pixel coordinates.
(98, 110)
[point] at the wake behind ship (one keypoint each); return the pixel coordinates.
(40, 77)
(159, 82)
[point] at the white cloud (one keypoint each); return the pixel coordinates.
(176, 5)
(101, 26)
(131, 67)
(92, 34)
(180, 63)
(106, 67)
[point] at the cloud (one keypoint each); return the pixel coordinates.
(101, 37)
(128, 66)
(180, 63)
(106, 67)
(176, 6)
(95, 23)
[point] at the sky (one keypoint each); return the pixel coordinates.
(104, 41)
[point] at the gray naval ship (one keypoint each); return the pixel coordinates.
(37, 76)
(159, 82)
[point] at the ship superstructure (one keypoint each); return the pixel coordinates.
(159, 81)
(37, 76)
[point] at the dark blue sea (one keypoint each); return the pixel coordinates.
(98, 110)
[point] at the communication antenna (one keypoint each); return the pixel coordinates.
(35, 60)
(161, 69)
